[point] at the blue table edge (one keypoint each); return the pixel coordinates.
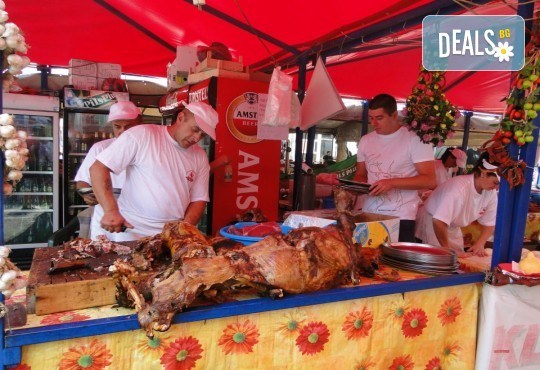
(49, 333)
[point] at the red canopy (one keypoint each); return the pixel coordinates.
(142, 37)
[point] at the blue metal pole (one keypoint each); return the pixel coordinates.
(466, 131)
(504, 221)
(513, 205)
(365, 117)
(302, 67)
(521, 199)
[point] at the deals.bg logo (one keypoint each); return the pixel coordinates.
(473, 43)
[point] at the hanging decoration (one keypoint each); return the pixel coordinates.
(428, 113)
(12, 142)
(522, 106)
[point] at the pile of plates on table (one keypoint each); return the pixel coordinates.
(418, 257)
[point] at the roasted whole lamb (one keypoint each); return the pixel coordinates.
(305, 260)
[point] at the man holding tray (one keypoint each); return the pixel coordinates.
(396, 164)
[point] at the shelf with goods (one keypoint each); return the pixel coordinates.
(82, 129)
(31, 211)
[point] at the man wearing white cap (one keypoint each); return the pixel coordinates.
(122, 116)
(167, 175)
(457, 203)
(451, 158)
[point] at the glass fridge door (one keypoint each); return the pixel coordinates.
(31, 211)
(83, 129)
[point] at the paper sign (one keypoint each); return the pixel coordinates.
(322, 99)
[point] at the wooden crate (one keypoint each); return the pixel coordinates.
(70, 290)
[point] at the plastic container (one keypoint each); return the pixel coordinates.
(247, 240)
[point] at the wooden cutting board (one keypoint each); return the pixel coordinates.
(70, 290)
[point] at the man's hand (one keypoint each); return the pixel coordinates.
(478, 250)
(90, 199)
(114, 222)
(380, 187)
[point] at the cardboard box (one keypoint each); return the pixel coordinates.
(210, 63)
(186, 58)
(371, 229)
(107, 70)
(89, 75)
(175, 78)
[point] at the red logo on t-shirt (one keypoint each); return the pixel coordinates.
(190, 176)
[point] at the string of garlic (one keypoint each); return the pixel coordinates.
(11, 278)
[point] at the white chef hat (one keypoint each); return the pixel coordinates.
(461, 157)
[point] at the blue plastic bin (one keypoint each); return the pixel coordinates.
(247, 240)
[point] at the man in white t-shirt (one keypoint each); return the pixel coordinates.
(167, 175)
(450, 160)
(396, 164)
(457, 203)
(122, 116)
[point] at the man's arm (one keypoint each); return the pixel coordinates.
(112, 220)
(194, 212)
(424, 179)
(441, 232)
(361, 172)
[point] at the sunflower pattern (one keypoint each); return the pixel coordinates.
(239, 338)
(450, 353)
(152, 348)
(94, 356)
(63, 317)
(450, 310)
(414, 323)
(424, 330)
(402, 363)
(312, 338)
(364, 364)
(291, 323)
(434, 364)
(182, 354)
(397, 309)
(358, 324)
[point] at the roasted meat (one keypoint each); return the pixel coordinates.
(305, 260)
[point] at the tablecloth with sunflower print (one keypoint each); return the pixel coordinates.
(427, 329)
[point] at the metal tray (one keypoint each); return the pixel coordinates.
(420, 268)
(417, 252)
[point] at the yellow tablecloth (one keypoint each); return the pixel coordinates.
(532, 229)
(417, 330)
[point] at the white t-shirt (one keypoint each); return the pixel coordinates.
(83, 174)
(162, 179)
(393, 156)
(442, 173)
(457, 204)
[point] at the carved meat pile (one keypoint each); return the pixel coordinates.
(305, 260)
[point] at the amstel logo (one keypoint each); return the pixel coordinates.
(242, 117)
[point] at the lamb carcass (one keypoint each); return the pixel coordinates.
(305, 260)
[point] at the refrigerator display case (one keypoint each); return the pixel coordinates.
(85, 123)
(31, 212)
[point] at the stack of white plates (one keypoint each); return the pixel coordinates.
(422, 258)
